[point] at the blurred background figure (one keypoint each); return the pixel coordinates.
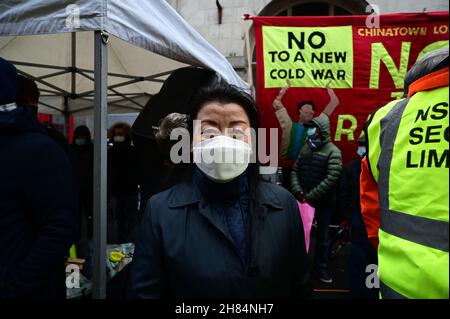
(123, 186)
(28, 96)
(38, 213)
(362, 253)
(82, 156)
(172, 172)
(156, 170)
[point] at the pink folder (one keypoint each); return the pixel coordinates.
(307, 216)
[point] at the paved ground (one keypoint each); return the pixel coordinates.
(338, 266)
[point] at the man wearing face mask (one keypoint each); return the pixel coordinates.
(224, 232)
(123, 182)
(362, 253)
(314, 178)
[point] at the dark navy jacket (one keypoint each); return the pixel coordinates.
(185, 249)
(38, 221)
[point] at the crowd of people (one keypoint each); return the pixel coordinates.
(220, 229)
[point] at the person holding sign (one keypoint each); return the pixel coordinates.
(294, 133)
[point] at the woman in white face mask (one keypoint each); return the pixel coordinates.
(222, 141)
(223, 233)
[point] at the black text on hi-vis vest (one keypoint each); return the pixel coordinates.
(433, 133)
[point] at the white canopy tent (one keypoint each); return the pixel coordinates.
(44, 40)
(101, 55)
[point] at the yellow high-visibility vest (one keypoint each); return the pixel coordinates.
(373, 136)
(411, 167)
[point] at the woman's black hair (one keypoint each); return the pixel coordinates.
(224, 93)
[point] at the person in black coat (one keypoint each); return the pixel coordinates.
(362, 252)
(82, 157)
(38, 209)
(28, 95)
(224, 232)
(123, 182)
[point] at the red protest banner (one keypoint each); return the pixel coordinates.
(364, 60)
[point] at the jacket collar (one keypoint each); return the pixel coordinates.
(430, 81)
(188, 193)
(20, 119)
(221, 193)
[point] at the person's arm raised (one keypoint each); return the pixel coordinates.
(334, 101)
(278, 103)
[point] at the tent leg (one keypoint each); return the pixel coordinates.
(66, 118)
(100, 162)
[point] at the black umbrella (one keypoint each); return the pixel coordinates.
(174, 96)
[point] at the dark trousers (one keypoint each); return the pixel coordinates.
(362, 254)
(125, 211)
(86, 204)
(323, 219)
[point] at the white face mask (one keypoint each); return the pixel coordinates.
(222, 158)
(119, 139)
(361, 151)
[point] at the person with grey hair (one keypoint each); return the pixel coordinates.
(169, 123)
(408, 158)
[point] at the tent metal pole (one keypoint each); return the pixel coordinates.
(73, 89)
(74, 63)
(51, 75)
(51, 107)
(100, 162)
(50, 93)
(66, 117)
(38, 65)
(42, 82)
(114, 91)
(151, 78)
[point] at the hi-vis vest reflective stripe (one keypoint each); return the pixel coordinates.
(373, 137)
(413, 184)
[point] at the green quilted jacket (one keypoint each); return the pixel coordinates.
(316, 173)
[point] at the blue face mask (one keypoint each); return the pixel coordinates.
(311, 131)
(361, 151)
(80, 141)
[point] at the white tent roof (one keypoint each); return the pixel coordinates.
(45, 40)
